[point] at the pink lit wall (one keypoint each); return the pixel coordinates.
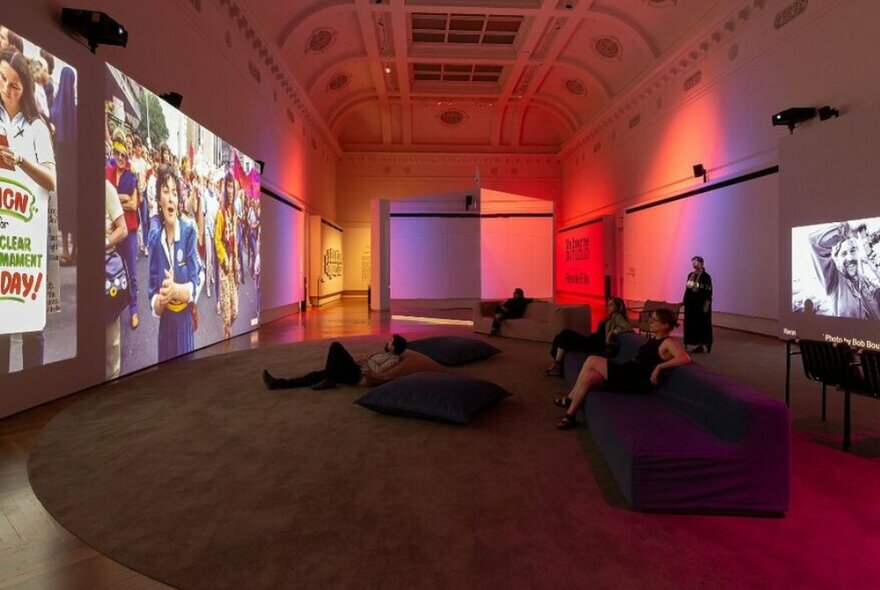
(516, 245)
(516, 252)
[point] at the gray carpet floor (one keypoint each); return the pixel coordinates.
(196, 475)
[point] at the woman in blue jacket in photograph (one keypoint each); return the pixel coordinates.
(175, 270)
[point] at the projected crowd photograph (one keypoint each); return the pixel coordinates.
(37, 205)
(182, 232)
(836, 269)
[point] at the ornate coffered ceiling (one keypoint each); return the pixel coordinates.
(515, 76)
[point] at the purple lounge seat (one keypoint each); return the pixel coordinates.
(700, 442)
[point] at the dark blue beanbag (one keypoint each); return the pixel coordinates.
(453, 350)
(433, 396)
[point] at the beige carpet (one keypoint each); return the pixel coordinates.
(195, 475)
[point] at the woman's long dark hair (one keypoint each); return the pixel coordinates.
(28, 102)
(619, 306)
(162, 175)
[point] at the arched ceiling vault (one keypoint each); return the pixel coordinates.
(474, 72)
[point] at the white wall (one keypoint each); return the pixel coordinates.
(833, 177)
(356, 255)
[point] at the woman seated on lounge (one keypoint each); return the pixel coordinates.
(600, 342)
(639, 375)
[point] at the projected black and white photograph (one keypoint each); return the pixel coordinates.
(836, 269)
(38, 242)
(182, 229)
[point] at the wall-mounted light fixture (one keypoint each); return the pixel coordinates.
(700, 170)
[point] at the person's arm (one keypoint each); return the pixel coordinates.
(158, 300)
(118, 230)
(129, 201)
(707, 287)
(381, 362)
(193, 265)
(675, 356)
(42, 168)
(616, 324)
(117, 234)
(821, 242)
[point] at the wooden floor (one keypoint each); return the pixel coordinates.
(36, 552)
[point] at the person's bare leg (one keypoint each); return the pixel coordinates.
(593, 374)
(594, 363)
(560, 354)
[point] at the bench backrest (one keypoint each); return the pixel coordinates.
(718, 403)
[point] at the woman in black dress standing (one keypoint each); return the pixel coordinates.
(698, 308)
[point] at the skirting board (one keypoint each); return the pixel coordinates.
(276, 313)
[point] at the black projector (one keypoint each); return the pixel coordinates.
(793, 116)
(97, 28)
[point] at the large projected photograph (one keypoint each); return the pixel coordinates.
(835, 269)
(182, 261)
(37, 205)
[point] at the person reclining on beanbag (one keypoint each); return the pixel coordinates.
(340, 367)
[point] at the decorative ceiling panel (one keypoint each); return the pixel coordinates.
(496, 74)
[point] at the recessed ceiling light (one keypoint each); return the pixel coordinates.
(387, 69)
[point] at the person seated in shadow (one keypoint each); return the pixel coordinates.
(513, 308)
(602, 342)
(639, 375)
(340, 367)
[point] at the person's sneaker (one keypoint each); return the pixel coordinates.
(323, 384)
(270, 381)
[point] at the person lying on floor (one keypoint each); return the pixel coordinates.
(340, 367)
(602, 342)
(639, 375)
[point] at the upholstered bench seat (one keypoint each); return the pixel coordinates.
(699, 442)
(541, 322)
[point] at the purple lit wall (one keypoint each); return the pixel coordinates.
(435, 257)
(440, 249)
(281, 276)
(720, 226)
